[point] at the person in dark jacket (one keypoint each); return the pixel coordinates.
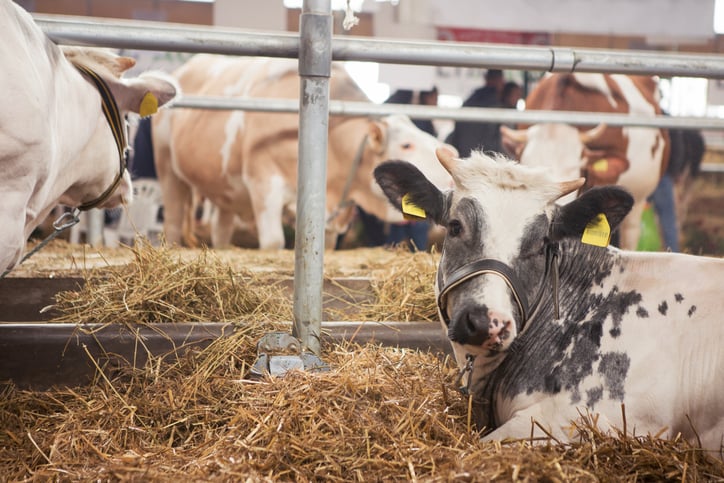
(142, 164)
(469, 135)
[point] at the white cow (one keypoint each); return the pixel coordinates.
(553, 322)
(56, 145)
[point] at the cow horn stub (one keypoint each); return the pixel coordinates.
(565, 187)
(446, 158)
(516, 135)
(592, 134)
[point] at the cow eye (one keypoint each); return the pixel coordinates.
(454, 228)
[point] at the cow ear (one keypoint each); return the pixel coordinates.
(572, 219)
(144, 94)
(377, 136)
(410, 192)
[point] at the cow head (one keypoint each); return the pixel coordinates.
(565, 148)
(501, 211)
(396, 137)
(142, 95)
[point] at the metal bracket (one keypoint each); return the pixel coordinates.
(279, 353)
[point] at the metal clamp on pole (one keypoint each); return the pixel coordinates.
(315, 59)
(279, 353)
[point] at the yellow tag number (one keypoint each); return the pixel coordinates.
(411, 211)
(597, 232)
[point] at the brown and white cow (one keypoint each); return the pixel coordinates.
(245, 163)
(56, 145)
(633, 157)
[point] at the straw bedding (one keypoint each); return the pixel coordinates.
(380, 413)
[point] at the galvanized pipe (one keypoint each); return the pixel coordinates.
(315, 65)
(506, 116)
(176, 38)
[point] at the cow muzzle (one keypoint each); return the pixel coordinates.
(482, 267)
(481, 327)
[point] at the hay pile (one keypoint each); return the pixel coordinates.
(378, 414)
(159, 286)
(162, 284)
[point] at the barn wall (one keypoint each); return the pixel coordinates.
(159, 10)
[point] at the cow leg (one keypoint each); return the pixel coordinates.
(267, 201)
(631, 227)
(12, 239)
(522, 425)
(222, 228)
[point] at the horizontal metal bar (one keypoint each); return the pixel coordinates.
(42, 355)
(145, 35)
(506, 116)
(712, 168)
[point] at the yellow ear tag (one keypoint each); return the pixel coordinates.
(411, 211)
(597, 232)
(600, 166)
(149, 105)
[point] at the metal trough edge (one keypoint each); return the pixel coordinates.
(42, 355)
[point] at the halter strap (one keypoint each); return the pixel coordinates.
(496, 267)
(116, 123)
(480, 267)
(344, 201)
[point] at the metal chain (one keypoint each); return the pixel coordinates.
(465, 390)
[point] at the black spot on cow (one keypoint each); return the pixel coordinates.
(663, 307)
(594, 395)
(679, 298)
(642, 312)
(614, 367)
(555, 357)
(691, 311)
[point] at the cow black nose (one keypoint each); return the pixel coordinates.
(470, 326)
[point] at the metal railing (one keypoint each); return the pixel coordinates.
(506, 116)
(319, 49)
(144, 35)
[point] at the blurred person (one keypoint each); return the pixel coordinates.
(468, 135)
(511, 94)
(687, 151)
(141, 164)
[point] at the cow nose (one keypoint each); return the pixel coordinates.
(480, 326)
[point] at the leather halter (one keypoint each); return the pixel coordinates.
(496, 267)
(117, 125)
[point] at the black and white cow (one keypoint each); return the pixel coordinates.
(554, 327)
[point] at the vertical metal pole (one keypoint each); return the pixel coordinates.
(315, 63)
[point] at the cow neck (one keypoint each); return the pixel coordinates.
(344, 200)
(496, 267)
(118, 128)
